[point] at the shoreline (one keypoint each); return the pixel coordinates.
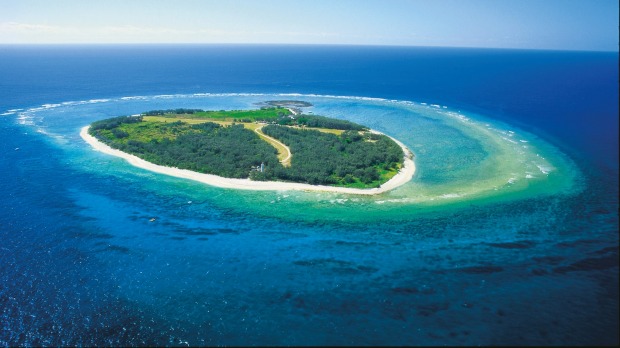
(402, 177)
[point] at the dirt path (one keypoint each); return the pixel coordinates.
(284, 153)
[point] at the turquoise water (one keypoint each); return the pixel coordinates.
(507, 234)
(221, 266)
(460, 157)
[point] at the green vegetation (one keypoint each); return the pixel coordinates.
(313, 121)
(114, 122)
(268, 114)
(340, 153)
(277, 115)
(205, 148)
(351, 159)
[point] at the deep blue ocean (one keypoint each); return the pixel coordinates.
(81, 262)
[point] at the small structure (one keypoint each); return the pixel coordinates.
(260, 168)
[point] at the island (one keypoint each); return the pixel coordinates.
(273, 147)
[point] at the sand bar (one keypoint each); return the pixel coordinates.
(403, 176)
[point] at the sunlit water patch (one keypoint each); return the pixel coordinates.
(461, 158)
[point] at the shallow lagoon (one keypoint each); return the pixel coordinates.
(460, 157)
(533, 262)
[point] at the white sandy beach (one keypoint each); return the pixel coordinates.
(403, 176)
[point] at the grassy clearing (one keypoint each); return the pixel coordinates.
(385, 176)
(147, 131)
(323, 130)
(268, 114)
(251, 115)
(182, 119)
(225, 122)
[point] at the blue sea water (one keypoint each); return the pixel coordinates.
(530, 262)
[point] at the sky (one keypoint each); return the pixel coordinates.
(590, 25)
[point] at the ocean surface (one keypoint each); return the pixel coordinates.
(507, 234)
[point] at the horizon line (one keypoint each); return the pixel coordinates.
(92, 44)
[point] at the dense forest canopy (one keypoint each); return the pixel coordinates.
(314, 121)
(345, 160)
(351, 157)
(206, 147)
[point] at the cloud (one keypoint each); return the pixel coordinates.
(44, 33)
(132, 33)
(202, 34)
(135, 30)
(28, 28)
